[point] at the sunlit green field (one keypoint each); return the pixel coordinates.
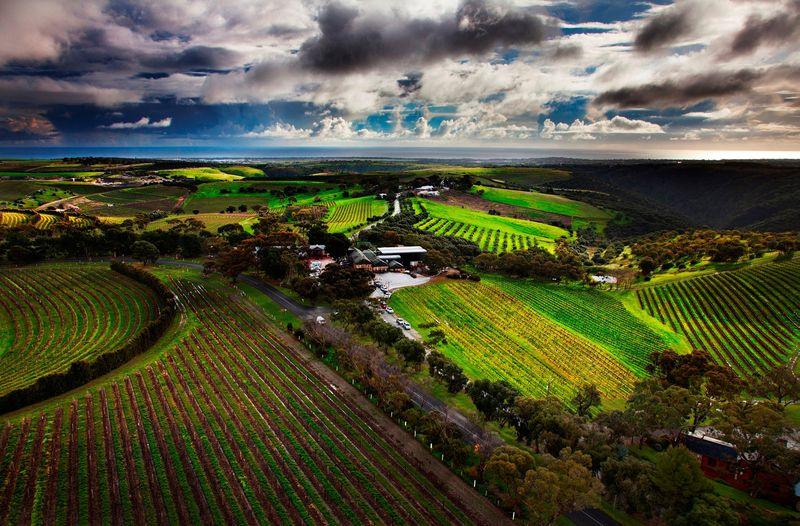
(549, 203)
(539, 337)
(491, 233)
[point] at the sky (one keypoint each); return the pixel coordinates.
(721, 75)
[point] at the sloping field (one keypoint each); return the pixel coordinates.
(491, 233)
(596, 315)
(201, 174)
(13, 219)
(347, 214)
(41, 221)
(212, 221)
(53, 315)
(748, 319)
(549, 203)
(494, 334)
(127, 202)
(229, 426)
(210, 197)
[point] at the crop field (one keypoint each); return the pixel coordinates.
(212, 221)
(243, 171)
(536, 201)
(225, 427)
(491, 233)
(528, 175)
(51, 316)
(127, 202)
(498, 329)
(747, 318)
(41, 221)
(51, 175)
(209, 196)
(201, 174)
(347, 214)
(14, 219)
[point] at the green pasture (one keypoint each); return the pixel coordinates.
(553, 204)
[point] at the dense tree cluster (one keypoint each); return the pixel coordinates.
(680, 249)
(535, 262)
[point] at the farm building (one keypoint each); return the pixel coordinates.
(367, 259)
(409, 256)
(719, 460)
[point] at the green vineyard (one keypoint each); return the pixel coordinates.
(493, 334)
(230, 425)
(491, 233)
(40, 221)
(748, 319)
(51, 316)
(487, 239)
(346, 215)
(596, 315)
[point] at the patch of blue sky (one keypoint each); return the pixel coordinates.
(564, 110)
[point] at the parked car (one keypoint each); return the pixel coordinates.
(390, 310)
(400, 321)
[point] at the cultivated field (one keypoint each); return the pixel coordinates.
(491, 233)
(228, 426)
(347, 214)
(211, 221)
(536, 202)
(748, 319)
(200, 174)
(537, 337)
(39, 220)
(213, 197)
(127, 202)
(53, 315)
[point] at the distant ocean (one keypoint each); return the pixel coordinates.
(242, 154)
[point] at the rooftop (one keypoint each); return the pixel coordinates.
(402, 250)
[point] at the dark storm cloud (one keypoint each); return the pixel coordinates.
(680, 92)
(781, 28)
(663, 29)
(196, 58)
(349, 42)
(151, 75)
(409, 84)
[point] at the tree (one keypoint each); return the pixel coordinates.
(756, 429)
(412, 351)
(651, 407)
(628, 480)
(232, 261)
(781, 384)
(678, 479)
(145, 252)
(494, 400)
(564, 485)
(586, 397)
(647, 266)
(442, 368)
(505, 471)
(708, 510)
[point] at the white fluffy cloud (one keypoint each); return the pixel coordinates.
(144, 122)
(581, 130)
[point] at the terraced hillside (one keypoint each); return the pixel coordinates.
(539, 338)
(491, 233)
(229, 425)
(53, 315)
(345, 215)
(748, 319)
